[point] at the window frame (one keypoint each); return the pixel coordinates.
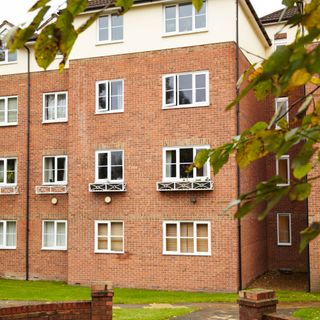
(6, 57)
(55, 247)
(286, 100)
(287, 158)
(108, 222)
(5, 166)
(179, 179)
(102, 42)
(97, 180)
(6, 111)
(284, 244)
(177, 32)
(176, 104)
(56, 183)
(5, 246)
(56, 120)
(178, 224)
(108, 97)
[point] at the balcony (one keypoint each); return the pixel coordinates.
(107, 187)
(8, 190)
(185, 186)
(51, 189)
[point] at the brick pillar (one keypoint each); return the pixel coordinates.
(101, 305)
(253, 304)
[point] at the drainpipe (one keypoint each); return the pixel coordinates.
(238, 132)
(28, 167)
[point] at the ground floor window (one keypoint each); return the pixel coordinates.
(284, 229)
(186, 237)
(109, 236)
(54, 235)
(8, 234)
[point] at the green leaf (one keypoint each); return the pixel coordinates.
(88, 23)
(76, 6)
(39, 4)
(289, 3)
(309, 234)
(278, 59)
(232, 203)
(303, 108)
(259, 126)
(244, 210)
(300, 192)
(197, 4)
(301, 171)
(201, 158)
(125, 5)
(46, 46)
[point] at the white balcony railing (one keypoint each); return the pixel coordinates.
(185, 186)
(107, 187)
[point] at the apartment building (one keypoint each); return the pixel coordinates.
(93, 181)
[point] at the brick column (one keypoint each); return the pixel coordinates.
(101, 305)
(253, 304)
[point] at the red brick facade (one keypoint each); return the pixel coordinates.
(142, 130)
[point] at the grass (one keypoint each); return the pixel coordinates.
(59, 291)
(308, 314)
(149, 314)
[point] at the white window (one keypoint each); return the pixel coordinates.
(109, 237)
(109, 96)
(282, 108)
(8, 171)
(187, 237)
(177, 161)
(8, 111)
(184, 18)
(8, 234)
(6, 56)
(110, 28)
(54, 235)
(186, 90)
(283, 170)
(55, 107)
(284, 229)
(109, 166)
(55, 170)
(278, 43)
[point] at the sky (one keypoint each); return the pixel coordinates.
(15, 11)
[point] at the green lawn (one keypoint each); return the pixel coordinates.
(308, 314)
(59, 291)
(149, 314)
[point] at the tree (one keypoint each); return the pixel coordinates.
(288, 68)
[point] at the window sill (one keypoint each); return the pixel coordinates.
(55, 121)
(187, 254)
(102, 43)
(109, 252)
(187, 106)
(51, 189)
(109, 112)
(284, 244)
(107, 187)
(13, 124)
(7, 190)
(174, 34)
(54, 249)
(5, 63)
(8, 248)
(204, 185)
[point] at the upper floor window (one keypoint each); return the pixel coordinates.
(183, 17)
(109, 166)
(8, 111)
(8, 234)
(282, 109)
(283, 170)
(279, 43)
(6, 56)
(109, 237)
(186, 237)
(55, 170)
(284, 229)
(54, 235)
(55, 107)
(177, 161)
(8, 171)
(110, 28)
(109, 96)
(186, 90)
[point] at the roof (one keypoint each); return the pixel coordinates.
(100, 4)
(275, 16)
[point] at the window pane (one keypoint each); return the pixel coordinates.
(103, 166)
(116, 95)
(1, 171)
(103, 229)
(186, 160)
(102, 244)
(116, 173)
(62, 106)
(201, 18)
(171, 244)
(185, 89)
(117, 27)
(186, 229)
(170, 90)
(103, 22)
(103, 159)
(202, 245)
(2, 110)
(284, 229)
(202, 172)
(49, 234)
(61, 234)
(2, 55)
(283, 169)
(102, 89)
(49, 169)
(200, 87)
(104, 28)
(50, 107)
(103, 173)
(116, 229)
(1, 234)
(187, 245)
(116, 157)
(185, 17)
(171, 168)
(11, 174)
(116, 244)
(170, 13)
(202, 230)
(171, 230)
(61, 174)
(12, 56)
(11, 234)
(102, 103)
